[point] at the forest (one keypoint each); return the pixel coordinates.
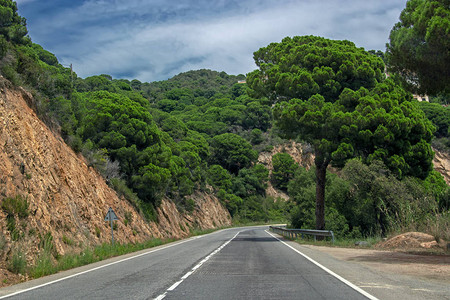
(204, 130)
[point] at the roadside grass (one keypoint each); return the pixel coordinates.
(367, 242)
(46, 265)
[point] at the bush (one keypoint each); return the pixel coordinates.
(18, 263)
(44, 266)
(284, 167)
(16, 206)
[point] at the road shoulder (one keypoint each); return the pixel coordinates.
(386, 274)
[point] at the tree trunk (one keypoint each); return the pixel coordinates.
(321, 172)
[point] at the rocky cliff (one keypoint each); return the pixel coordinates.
(67, 198)
(441, 164)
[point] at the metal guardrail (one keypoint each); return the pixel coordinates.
(293, 233)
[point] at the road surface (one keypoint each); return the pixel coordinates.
(237, 263)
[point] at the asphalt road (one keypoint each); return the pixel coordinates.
(238, 263)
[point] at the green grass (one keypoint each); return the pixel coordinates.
(17, 205)
(18, 263)
(68, 241)
(339, 242)
(45, 265)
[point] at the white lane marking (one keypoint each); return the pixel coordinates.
(174, 286)
(100, 267)
(328, 270)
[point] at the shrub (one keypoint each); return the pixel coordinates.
(66, 240)
(44, 266)
(18, 263)
(17, 205)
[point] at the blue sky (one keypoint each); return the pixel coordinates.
(156, 39)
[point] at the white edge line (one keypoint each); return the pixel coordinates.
(160, 297)
(358, 289)
(100, 267)
(174, 286)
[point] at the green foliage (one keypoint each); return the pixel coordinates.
(18, 263)
(47, 245)
(303, 66)
(380, 201)
(368, 200)
(219, 177)
(128, 218)
(231, 152)
(284, 167)
(146, 209)
(11, 226)
(16, 206)
(251, 181)
(68, 241)
(382, 124)
(440, 117)
(418, 48)
(44, 266)
(263, 209)
(44, 55)
(203, 83)
(12, 26)
(256, 136)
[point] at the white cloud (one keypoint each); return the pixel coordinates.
(157, 49)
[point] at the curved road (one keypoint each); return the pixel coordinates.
(237, 263)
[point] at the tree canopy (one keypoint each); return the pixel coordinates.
(419, 46)
(303, 66)
(334, 96)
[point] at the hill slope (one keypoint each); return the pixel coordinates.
(68, 199)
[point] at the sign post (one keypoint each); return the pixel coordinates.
(111, 216)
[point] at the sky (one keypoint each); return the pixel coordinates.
(153, 40)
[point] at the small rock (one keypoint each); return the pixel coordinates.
(362, 243)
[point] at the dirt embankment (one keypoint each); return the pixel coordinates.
(68, 199)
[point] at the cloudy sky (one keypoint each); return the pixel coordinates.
(154, 40)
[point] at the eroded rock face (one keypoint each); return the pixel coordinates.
(300, 153)
(441, 164)
(69, 199)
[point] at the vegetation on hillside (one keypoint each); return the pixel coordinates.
(202, 130)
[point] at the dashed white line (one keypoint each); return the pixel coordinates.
(176, 284)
